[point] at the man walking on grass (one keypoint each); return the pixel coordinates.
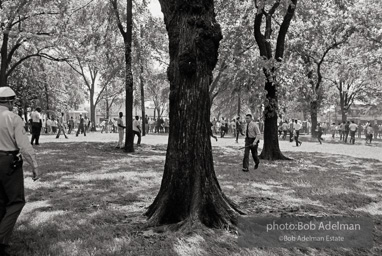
(297, 127)
(81, 126)
(252, 138)
(61, 128)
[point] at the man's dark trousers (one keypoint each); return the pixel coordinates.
(253, 149)
(36, 130)
(346, 136)
(297, 135)
(352, 137)
(12, 198)
(81, 129)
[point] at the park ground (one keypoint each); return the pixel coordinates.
(92, 197)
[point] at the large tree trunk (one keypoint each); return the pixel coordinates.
(129, 142)
(313, 116)
(271, 150)
(190, 192)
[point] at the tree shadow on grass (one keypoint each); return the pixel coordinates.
(91, 203)
(313, 184)
(92, 199)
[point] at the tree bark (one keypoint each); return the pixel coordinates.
(271, 149)
(313, 116)
(190, 193)
(239, 103)
(92, 110)
(143, 102)
(4, 59)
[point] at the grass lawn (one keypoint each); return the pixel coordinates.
(92, 198)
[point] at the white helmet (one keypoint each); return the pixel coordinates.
(7, 94)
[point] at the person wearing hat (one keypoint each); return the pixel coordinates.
(13, 139)
(36, 125)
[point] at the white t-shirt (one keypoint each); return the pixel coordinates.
(120, 122)
(297, 126)
(353, 127)
(135, 125)
(36, 117)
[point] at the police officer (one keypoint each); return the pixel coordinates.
(13, 139)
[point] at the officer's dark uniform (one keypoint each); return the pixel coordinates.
(13, 138)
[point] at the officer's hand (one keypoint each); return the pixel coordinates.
(36, 174)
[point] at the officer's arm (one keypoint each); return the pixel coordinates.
(23, 143)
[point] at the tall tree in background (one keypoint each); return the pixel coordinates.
(28, 29)
(271, 150)
(320, 32)
(127, 39)
(190, 193)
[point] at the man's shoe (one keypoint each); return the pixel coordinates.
(117, 147)
(256, 166)
(66, 137)
(245, 169)
(300, 143)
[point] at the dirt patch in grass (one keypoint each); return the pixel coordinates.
(92, 198)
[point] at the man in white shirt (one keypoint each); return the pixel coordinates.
(252, 138)
(121, 129)
(352, 128)
(297, 127)
(137, 129)
(36, 126)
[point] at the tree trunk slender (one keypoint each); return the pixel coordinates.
(271, 149)
(129, 142)
(190, 193)
(313, 116)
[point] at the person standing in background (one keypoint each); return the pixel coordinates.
(352, 129)
(71, 125)
(61, 127)
(81, 126)
(147, 124)
(297, 127)
(369, 132)
(252, 139)
(137, 129)
(121, 130)
(36, 126)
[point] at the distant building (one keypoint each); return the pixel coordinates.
(361, 113)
